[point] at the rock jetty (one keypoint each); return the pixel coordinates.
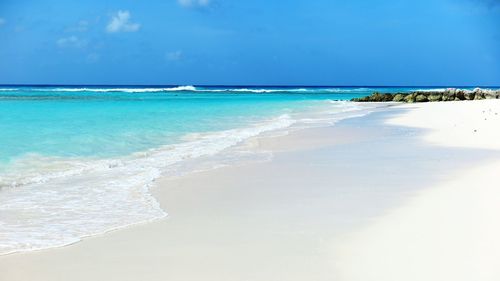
(451, 94)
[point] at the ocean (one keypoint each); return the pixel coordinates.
(79, 161)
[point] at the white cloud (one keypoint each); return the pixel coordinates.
(71, 42)
(2, 21)
(194, 3)
(173, 56)
(120, 22)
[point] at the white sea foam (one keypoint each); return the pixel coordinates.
(50, 202)
(125, 90)
(189, 88)
(181, 88)
(76, 198)
(245, 90)
(431, 90)
(329, 115)
(201, 90)
(173, 89)
(347, 90)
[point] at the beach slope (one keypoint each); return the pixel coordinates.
(449, 231)
(406, 193)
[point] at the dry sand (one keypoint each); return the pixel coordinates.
(450, 231)
(393, 195)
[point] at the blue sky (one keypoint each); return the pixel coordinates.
(258, 42)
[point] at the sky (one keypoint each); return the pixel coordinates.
(257, 42)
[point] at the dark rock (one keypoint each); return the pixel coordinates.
(398, 98)
(388, 97)
(435, 97)
(410, 98)
(478, 94)
(449, 95)
(362, 99)
(423, 93)
(492, 94)
(421, 98)
(377, 97)
(469, 95)
(424, 96)
(460, 94)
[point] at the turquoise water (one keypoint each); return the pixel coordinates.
(79, 161)
(102, 122)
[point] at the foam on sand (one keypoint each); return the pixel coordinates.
(59, 204)
(48, 202)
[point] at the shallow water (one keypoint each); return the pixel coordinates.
(78, 161)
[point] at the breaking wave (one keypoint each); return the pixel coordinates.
(193, 89)
(64, 200)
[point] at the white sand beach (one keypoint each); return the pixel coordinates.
(449, 231)
(405, 193)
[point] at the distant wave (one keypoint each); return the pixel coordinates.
(431, 90)
(347, 90)
(126, 90)
(191, 89)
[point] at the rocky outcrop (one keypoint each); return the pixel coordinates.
(421, 98)
(451, 94)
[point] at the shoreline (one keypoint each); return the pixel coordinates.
(262, 210)
(200, 153)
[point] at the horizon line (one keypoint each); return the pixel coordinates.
(243, 85)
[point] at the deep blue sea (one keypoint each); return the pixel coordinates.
(78, 161)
